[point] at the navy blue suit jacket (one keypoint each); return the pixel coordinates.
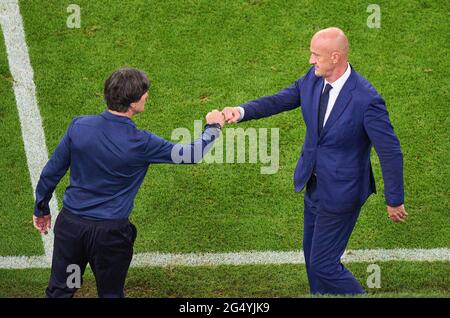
(359, 119)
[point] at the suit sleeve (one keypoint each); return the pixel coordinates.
(52, 173)
(286, 99)
(159, 150)
(387, 146)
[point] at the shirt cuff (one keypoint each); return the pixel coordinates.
(242, 111)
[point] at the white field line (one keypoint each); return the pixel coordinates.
(25, 92)
(37, 155)
(290, 257)
(248, 258)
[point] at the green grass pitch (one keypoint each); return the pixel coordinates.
(202, 55)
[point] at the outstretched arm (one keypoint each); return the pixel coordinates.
(159, 150)
(284, 100)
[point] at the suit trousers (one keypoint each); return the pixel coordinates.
(325, 238)
(107, 245)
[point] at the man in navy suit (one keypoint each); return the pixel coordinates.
(344, 117)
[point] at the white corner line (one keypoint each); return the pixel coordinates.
(27, 107)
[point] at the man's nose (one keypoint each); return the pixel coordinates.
(312, 60)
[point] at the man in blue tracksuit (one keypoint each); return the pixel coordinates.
(108, 159)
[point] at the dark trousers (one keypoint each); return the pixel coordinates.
(324, 241)
(107, 245)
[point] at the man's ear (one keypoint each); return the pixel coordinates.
(337, 57)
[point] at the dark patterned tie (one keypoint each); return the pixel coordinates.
(323, 105)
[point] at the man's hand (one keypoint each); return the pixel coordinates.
(215, 117)
(232, 114)
(42, 223)
(397, 214)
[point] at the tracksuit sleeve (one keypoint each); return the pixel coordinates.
(52, 173)
(159, 150)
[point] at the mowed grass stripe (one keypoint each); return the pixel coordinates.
(398, 279)
(253, 53)
(203, 55)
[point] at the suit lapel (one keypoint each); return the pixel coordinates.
(341, 103)
(315, 105)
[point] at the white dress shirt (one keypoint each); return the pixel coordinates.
(334, 93)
